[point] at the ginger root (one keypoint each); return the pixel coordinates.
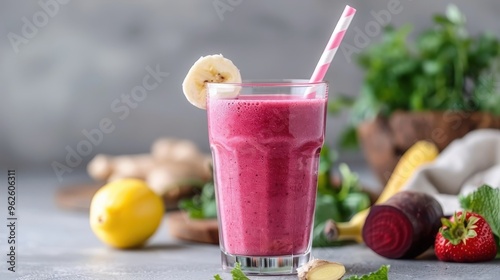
(171, 175)
(169, 149)
(172, 164)
(108, 168)
(321, 270)
(100, 167)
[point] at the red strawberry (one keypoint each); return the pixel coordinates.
(466, 237)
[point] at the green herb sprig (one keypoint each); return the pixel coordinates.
(236, 272)
(485, 201)
(443, 69)
(381, 274)
(339, 203)
(202, 205)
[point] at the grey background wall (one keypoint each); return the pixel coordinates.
(64, 75)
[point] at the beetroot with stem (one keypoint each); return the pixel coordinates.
(404, 226)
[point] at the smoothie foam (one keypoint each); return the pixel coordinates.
(266, 151)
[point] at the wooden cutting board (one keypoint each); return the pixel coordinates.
(182, 227)
(78, 197)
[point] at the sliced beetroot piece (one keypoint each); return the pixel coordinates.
(404, 226)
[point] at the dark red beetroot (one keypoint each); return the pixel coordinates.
(404, 226)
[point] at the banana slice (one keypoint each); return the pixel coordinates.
(211, 68)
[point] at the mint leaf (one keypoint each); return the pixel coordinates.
(485, 201)
(235, 272)
(202, 205)
(380, 274)
(238, 274)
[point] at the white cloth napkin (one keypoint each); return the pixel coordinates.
(464, 165)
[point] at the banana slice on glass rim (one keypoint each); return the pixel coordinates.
(213, 69)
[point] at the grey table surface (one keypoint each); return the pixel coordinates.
(58, 244)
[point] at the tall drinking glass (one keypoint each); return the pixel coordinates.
(265, 138)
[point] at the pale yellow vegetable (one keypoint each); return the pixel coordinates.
(421, 153)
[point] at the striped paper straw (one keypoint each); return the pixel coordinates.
(333, 45)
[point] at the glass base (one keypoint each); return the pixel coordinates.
(265, 265)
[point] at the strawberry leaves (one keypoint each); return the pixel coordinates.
(460, 229)
(486, 202)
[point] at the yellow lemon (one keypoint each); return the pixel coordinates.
(125, 213)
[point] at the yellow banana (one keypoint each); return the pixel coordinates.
(210, 68)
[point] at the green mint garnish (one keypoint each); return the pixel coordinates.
(380, 274)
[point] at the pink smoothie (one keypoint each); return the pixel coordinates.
(266, 153)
